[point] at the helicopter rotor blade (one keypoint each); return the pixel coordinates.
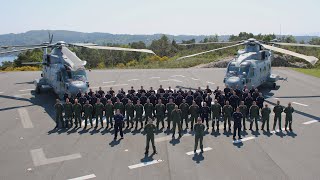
(19, 50)
(227, 42)
(19, 46)
(94, 46)
(192, 55)
(32, 63)
(311, 59)
(296, 44)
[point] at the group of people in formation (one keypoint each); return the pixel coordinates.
(190, 107)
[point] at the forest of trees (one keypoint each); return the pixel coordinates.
(167, 52)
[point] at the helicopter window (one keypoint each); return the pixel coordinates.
(79, 74)
(244, 68)
(232, 68)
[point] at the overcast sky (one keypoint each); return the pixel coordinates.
(196, 17)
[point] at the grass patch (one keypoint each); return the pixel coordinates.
(312, 72)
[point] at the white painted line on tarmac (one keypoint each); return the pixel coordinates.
(276, 98)
(210, 82)
(25, 118)
(169, 137)
(90, 176)
(1, 92)
(310, 122)
(198, 151)
(175, 80)
(108, 82)
(177, 76)
(243, 139)
(115, 85)
(133, 80)
(26, 89)
(39, 158)
(145, 164)
(154, 78)
(300, 104)
(195, 79)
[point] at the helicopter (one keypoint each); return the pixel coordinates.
(62, 70)
(251, 67)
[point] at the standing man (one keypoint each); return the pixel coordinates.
(254, 115)
(130, 114)
(288, 110)
(260, 100)
(148, 111)
(68, 113)
(194, 111)
(176, 116)
(244, 112)
(139, 111)
(185, 112)
(234, 100)
(278, 109)
(59, 117)
(160, 113)
(216, 114)
(87, 113)
(109, 111)
(118, 123)
(77, 108)
(150, 129)
(198, 134)
(99, 107)
(265, 113)
(205, 110)
(170, 107)
(119, 105)
(237, 116)
(227, 114)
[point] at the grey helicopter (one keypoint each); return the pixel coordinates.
(251, 67)
(62, 70)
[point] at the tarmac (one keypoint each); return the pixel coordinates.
(32, 150)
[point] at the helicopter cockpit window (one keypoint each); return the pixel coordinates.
(79, 75)
(232, 69)
(244, 68)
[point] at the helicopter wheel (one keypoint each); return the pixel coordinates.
(38, 91)
(274, 85)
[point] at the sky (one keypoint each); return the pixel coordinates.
(189, 17)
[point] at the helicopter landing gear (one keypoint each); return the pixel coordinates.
(38, 90)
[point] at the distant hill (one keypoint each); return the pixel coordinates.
(40, 36)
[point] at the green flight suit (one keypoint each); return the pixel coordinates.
(216, 114)
(185, 113)
(77, 108)
(288, 111)
(99, 107)
(149, 129)
(109, 113)
(139, 111)
(119, 105)
(169, 107)
(176, 116)
(227, 111)
(198, 134)
(148, 111)
(59, 117)
(68, 112)
(130, 114)
(265, 115)
(194, 112)
(244, 111)
(278, 109)
(88, 108)
(160, 113)
(254, 115)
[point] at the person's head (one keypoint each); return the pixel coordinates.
(249, 95)
(100, 88)
(87, 102)
(176, 107)
(234, 93)
(246, 90)
(67, 100)
(199, 88)
(170, 100)
(169, 87)
(199, 120)
(111, 89)
(76, 101)
(256, 90)
(260, 94)
(98, 100)
(289, 104)
(183, 100)
(143, 94)
(238, 109)
(204, 104)
(109, 101)
(207, 86)
(159, 101)
(141, 87)
(215, 101)
(148, 100)
(254, 103)
(150, 121)
(241, 103)
(161, 86)
(151, 88)
(278, 102)
(118, 100)
(227, 102)
(237, 86)
(266, 105)
(193, 103)
(90, 90)
(138, 102)
(119, 91)
(79, 91)
(129, 101)
(131, 87)
(57, 100)
(227, 86)
(118, 111)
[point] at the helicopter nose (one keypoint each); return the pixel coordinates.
(74, 87)
(233, 82)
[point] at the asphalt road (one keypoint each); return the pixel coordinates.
(31, 149)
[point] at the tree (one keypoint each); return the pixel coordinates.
(315, 41)
(162, 46)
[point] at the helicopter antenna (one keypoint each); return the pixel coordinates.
(50, 37)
